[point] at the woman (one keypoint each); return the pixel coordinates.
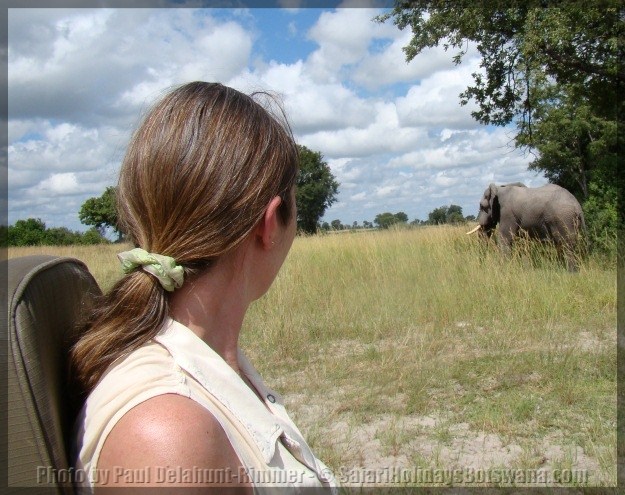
(206, 192)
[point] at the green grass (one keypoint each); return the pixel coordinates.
(377, 332)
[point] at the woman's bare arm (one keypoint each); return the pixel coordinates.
(170, 441)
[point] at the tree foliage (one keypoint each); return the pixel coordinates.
(316, 189)
(336, 225)
(602, 218)
(387, 219)
(29, 232)
(33, 232)
(576, 146)
(101, 212)
(446, 214)
(521, 44)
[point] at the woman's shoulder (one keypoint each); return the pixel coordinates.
(150, 362)
(145, 372)
(177, 440)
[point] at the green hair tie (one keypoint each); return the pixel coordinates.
(164, 268)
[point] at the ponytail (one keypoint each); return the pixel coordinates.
(125, 318)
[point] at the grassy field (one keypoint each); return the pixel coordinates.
(421, 357)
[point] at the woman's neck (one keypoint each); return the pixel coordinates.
(213, 306)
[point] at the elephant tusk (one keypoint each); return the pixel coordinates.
(474, 230)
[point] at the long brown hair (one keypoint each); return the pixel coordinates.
(197, 176)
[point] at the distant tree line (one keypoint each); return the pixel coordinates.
(451, 214)
(33, 232)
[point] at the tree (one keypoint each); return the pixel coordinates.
(387, 219)
(61, 236)
(522, 44)
(336, 225)
(33, 232)
(401, 217)
(30, 232)
(576, 146)
(438, 216)
(93, 236)
(601, 216)
(454, 214)
(316, 189)
(446, 214)
(101, 212)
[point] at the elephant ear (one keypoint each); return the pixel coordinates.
(487, 199)
(494, 202)
(485, 202)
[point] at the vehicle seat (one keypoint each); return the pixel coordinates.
(47, 296)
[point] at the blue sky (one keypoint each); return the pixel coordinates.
(393, 133)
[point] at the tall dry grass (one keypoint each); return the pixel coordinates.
(101, 259)
(402, 325)
(429, 322)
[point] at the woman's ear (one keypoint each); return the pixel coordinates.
(269, 227)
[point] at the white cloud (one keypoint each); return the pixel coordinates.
(435, 101)
(361, 196)
(383, 134)
(64, 147)
(58, 184)
(310, 106)
(389, 66)
(343, 37)
(108, 63)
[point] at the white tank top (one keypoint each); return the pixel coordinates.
(270, 447)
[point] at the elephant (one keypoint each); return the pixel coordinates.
(549, 213)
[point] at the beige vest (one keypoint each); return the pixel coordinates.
(271, 448)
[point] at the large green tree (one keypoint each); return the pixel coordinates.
(316, 189)
(101, 212)
(576, 146)
(522, 44)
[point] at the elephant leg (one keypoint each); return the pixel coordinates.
(566, 242)
(504, 238)
(571, 263)
(571, 255)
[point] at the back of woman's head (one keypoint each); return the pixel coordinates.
(197, 177)
(200, 171)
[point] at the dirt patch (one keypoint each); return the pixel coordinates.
(589, 342)
(347, 429)
(428, 444)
